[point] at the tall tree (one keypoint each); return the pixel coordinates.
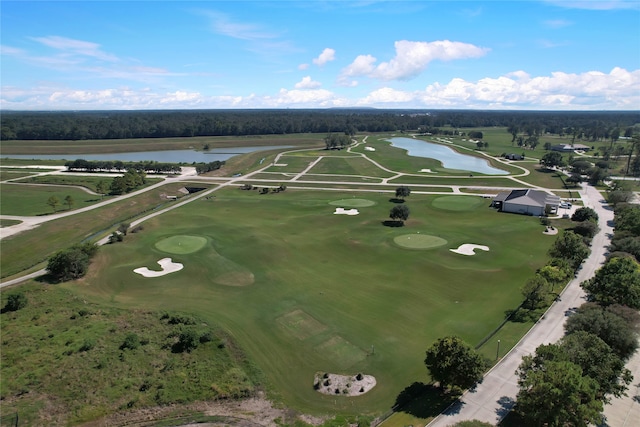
(552, 159)
(617, 282)
(557, 394)
(399, 213)
(69, 201)
(571, 247)
(453, 363)
(53, 201)
(402, 192)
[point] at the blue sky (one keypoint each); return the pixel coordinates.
(543, 55)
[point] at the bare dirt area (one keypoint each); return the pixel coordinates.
(252, 412)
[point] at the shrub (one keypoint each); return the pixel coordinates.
(87, 345)
(188, 340)
(15, 302)
(131, 342)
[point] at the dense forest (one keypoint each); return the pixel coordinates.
(594, 126)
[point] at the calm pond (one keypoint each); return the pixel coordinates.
(450, 158)
(167, 156)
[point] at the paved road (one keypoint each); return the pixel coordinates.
(495, 397)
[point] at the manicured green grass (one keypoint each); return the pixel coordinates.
(340, 178)
(181, 244)
(90, 182)
(8, 222)
(28, 162)
(30, 248)
(31, 200)
(329, 293)
(467, 182)
(355, 165)
(294, 164)
(353, 203)
(419, 241)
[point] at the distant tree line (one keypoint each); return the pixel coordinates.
(110, 166)
(208, 167)
(593, 126)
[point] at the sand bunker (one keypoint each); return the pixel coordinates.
(427, 170)
(343, 211)
(468, 249)
(369, 148)
(167, 265)
(343, 385)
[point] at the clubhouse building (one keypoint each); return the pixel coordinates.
(526, 202)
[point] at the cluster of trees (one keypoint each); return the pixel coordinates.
(594, 126)
(54, 202)
(400, 212)
(72, 263)
(569, 382)
(15, 301)
(335, 141)
(110, 166)
(128, 182)
(208, 167)
(626, 238)
(567, 253)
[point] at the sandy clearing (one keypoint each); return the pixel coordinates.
(343, 211)
(343, 385)
(167, 265)
(426, 170)
(468, 249)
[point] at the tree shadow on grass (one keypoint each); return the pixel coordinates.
(425, 401)
(391, 223)
(396, 200)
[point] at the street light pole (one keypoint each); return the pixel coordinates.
(498, 350)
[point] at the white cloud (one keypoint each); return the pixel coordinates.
(307, 83)
(411, 59)
(557, 23)
(596, 4)
(387, 95)
(618, 89)
(76, 47)
(303, 67)
(327, 55)
(13, 51)
(222, 24)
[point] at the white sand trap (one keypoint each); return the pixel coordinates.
(343, 211)
(468, 249)
(427, 170)
(167, 265)
(369, 148)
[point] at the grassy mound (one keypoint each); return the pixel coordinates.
(458, 203)
(419, 241)
(353, 203)
(180, 245)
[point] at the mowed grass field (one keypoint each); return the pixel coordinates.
(24, 199)
(303, 290)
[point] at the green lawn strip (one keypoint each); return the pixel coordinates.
(90, 182)
(542, 177)
(153, 144)
(32, 247)
(340, 178)
(340, 271)
(65, 353)
(291, 164)
(273, 176)
(8, 222)
(31, 200)
(6, 174)
(467, 182)
(348, 166)
(375, 187)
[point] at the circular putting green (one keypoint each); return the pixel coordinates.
(353, 203)
(457, 203)
(181, 244)
(419, 241)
